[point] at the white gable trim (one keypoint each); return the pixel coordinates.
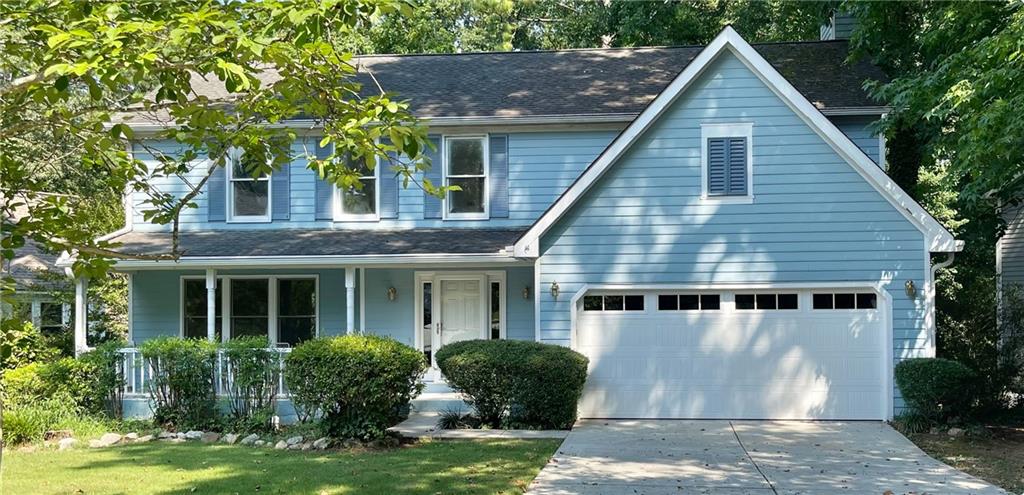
(937, 238)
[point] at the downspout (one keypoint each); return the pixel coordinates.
(930, 296)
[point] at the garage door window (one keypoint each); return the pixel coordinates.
(613, 303)
(845, 300)
(769, 301)
(688, 302)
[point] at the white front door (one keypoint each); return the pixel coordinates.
(461, 307)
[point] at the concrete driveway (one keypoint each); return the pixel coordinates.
(739, 457)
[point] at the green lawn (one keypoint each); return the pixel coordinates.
(498, 466)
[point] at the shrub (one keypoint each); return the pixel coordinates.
(181, 385)
(21, 344)
(28, 422)
(252, 382)
(935, 388)
(357, 385)
(108, 381)
(516, 384)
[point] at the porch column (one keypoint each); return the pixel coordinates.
(211, 304)
(350, 299)
(81, 314)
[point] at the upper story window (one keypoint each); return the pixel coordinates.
(726, 162)
(248, 196)
(466, 167)
(358, 203)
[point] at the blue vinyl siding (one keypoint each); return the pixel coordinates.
(813, 218)
(397, 318)
(856, 127)
(156, 299)
(541, 165)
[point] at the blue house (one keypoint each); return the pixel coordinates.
(712, 226)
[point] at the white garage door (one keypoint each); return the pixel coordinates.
(756, 355)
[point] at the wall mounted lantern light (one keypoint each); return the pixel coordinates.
(910, 288)
(554, 290)
(526, 292)
(392, 293)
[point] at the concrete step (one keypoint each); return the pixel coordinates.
(439, 402)
(436, 387)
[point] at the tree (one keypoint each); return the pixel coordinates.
(69, 71)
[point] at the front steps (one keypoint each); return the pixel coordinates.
(438, 397)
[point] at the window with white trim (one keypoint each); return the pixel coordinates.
(248, 193)
(194, 308)
(466, 168)
(767, 301)
(281, 308)
(689, 302)
(358, 203)
(726, 168)
(613, 302)
(844, 300)
(51, 318)
(296, 310)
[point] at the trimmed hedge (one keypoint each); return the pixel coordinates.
(357, 385)
(516, 384)
(935, 388)
(181, 385)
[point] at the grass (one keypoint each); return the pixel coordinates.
(498, 466)
(997, 458)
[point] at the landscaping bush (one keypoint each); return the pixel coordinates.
(516, 384)
(21, 344)
(936, 388)
(181, 385)
(252, 382)
(108, 381)
(357, 385)
(23, 384)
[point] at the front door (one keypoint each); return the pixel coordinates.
(461, 308)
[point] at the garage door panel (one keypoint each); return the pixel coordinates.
(725, 364)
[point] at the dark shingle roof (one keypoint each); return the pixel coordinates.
(584, 82)
(34, 268)
(327, 242)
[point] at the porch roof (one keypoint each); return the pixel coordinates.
(275, 243)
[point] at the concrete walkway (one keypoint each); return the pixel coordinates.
(745, 457)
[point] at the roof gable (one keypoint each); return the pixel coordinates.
(937, 238)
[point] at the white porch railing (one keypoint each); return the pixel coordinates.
(137, 373)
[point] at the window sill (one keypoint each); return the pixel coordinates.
(249, 220)
(474, 216)
(356, 218)
(731, 200)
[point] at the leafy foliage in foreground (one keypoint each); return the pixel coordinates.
(181, 385)
(936, 388)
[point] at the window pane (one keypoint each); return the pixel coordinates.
(634, 303)
(822, 301)
(592, 303)
(787, 301)
(744, 301)
(244, 166)
(465, 157)
(689, 302)
(845, 301)
(710, 301)
(766, 301)
(248, 326)
(613, 303)
(669, 302)
(360, 202)
(250, 198)
(867, 301)
(296, 297)
(51, 314)
(249, 307)
(427, 321)
(194, 317)
(495, 310)
(195, 327)
(470, 199)
(293, 330)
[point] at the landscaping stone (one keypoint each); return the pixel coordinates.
(259, 443)
(250, 439)
(307, 445)
(180, 435)
(165, 434)
(51, 435)
(295, 440)
(955, 432)
(95, 444)
(66, 443)
(109, 439)
(229, 438)
(210, 437)
(322, 443)
(193, 435)
(351, 443)
(144, 439)
(281, 445)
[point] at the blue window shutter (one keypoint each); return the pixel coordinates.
(324, 190)
(717, 166)
(432, 204)
(216, 189)
(281, 194)
(737, 180)
(499, 176)
(388, 189)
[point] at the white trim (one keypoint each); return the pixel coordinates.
(131, 307)
(337, 205)
(882, 143)
(350, 300)
(727, 130)
(446, 151)
(321, 261)
(230, 217)
(879, 287)
(536, 300)
(362, 299)
(421, 277)
(937, 238)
